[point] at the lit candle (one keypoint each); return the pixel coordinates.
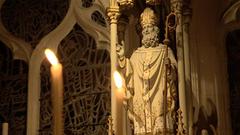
(5, 129)
(118, 104)
(56, 93)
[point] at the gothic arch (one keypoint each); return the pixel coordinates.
(75, 15)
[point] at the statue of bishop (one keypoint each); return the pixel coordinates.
(147, 77)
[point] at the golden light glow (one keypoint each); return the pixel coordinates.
(118, 79)
(51, 57)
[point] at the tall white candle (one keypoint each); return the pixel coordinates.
(118, 104)
(5, 129)
(56, 93)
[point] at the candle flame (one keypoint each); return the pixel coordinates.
(118, 79)
(51, 57)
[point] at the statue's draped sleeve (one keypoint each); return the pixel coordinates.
(125, 65)
(129, 77)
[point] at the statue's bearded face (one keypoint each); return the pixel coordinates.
(150, 36)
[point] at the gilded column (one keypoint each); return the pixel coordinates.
(113, 14)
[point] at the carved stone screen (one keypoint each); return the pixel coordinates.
(86, 86)
(31, 20)
(13, 91)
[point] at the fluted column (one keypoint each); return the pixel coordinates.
(113, 14)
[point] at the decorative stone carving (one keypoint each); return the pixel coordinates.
(150, 110)
(113, 14)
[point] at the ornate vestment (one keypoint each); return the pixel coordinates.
(145, 78)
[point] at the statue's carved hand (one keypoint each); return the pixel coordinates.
(120, 50)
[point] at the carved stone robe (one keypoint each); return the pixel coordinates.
(145, 79)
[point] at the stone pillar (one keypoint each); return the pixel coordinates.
(176, 6)
(113, 14)
(186, 45)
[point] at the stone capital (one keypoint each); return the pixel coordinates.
(113, 14)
